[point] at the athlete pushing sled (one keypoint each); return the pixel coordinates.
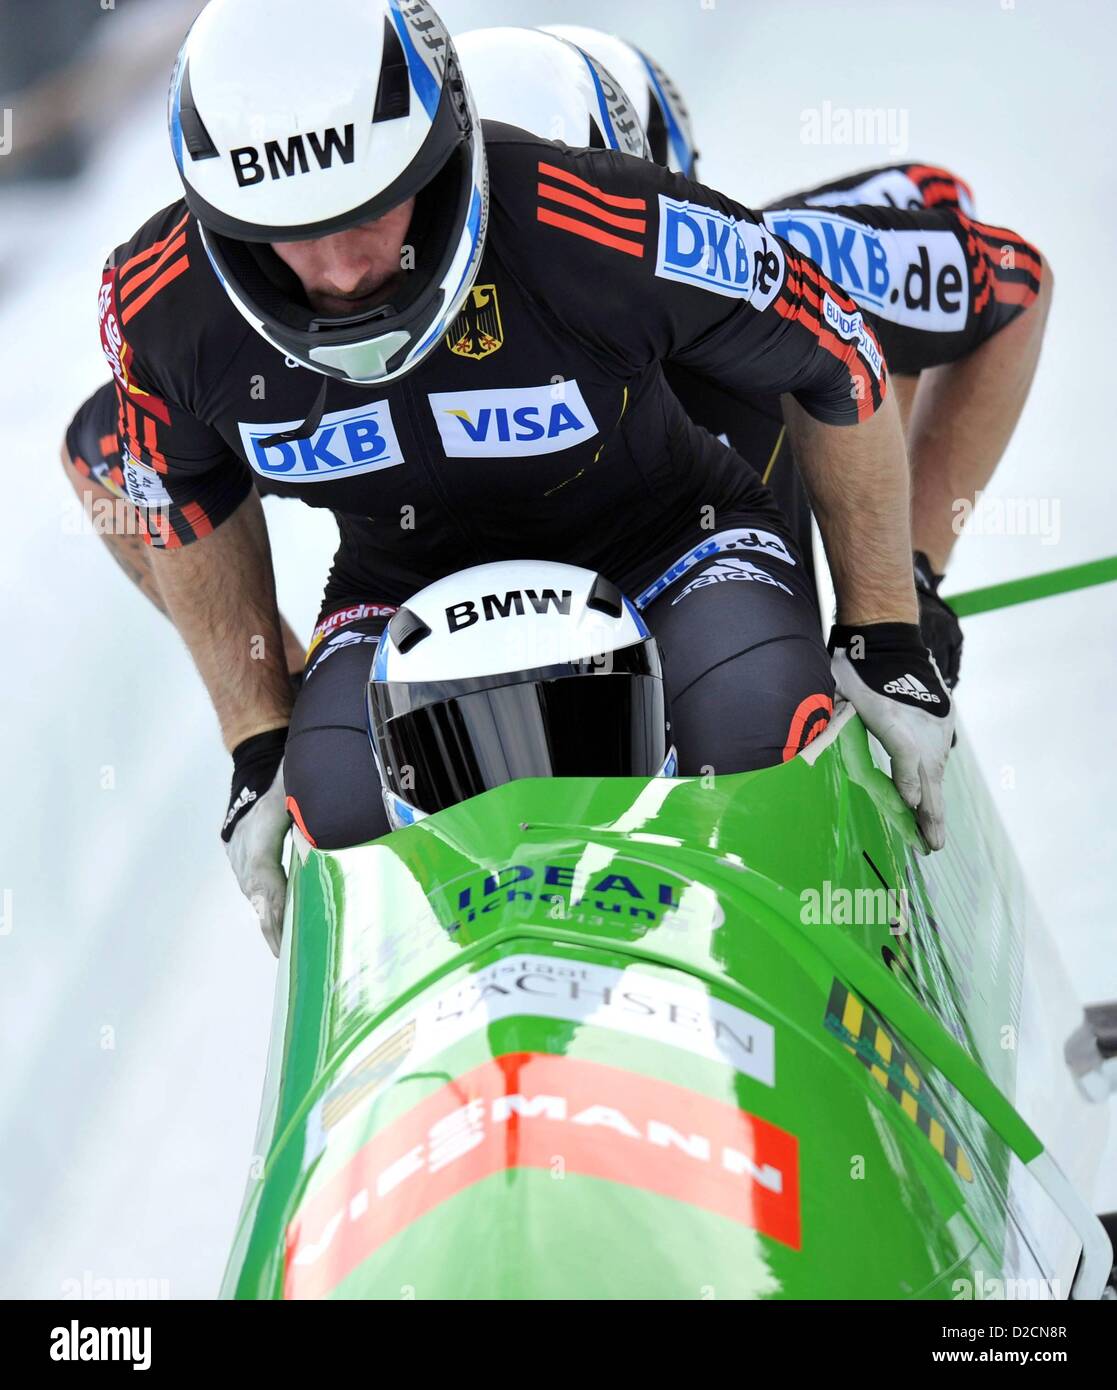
(343, 260)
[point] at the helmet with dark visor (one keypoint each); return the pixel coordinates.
(442, 741)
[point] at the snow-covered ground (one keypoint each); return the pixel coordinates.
(135, 990)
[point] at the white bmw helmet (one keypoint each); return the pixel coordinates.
(291, 120)
(661, 109)
(523, 668)
(543, 84)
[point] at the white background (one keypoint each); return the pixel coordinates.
(135, 990)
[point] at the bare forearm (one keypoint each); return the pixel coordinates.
(126, 545)
(857, 478)
(904, 388)
(220, 594)
(962, 419)
(131, 553)
(123, 541)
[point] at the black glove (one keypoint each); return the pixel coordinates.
(885, 672)
(255, 762)
(938, 622)
(255, 827)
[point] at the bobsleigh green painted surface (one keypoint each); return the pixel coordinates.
(589, 1039)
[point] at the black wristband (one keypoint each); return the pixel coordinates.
(886, 637)
(260, 746)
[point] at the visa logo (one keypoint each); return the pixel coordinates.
(917, 278)
(702, 246)
(512, 423)
(347, 442)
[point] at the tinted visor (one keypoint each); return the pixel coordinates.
(439, 751)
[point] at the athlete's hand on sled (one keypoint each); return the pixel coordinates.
(938, 622)
(255, 827)
(890, 678)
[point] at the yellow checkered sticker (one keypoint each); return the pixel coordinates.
(860, 1032)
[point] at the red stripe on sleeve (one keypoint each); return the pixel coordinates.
(613, 199)
(199, 522)
(571, 200)
(151, 444)
(154, 249)
(141, 277)
(173, 271)
(568, 224)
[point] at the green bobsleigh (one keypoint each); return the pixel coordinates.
(727, 1037)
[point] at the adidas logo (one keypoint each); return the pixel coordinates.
(730, 568)
(246, 798)
(912, 687)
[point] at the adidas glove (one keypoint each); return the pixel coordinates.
(938, 622)
(255, 827)
(891, 680)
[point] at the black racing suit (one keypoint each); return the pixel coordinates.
(541, 427)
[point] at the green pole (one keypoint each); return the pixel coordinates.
(1062, 581)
